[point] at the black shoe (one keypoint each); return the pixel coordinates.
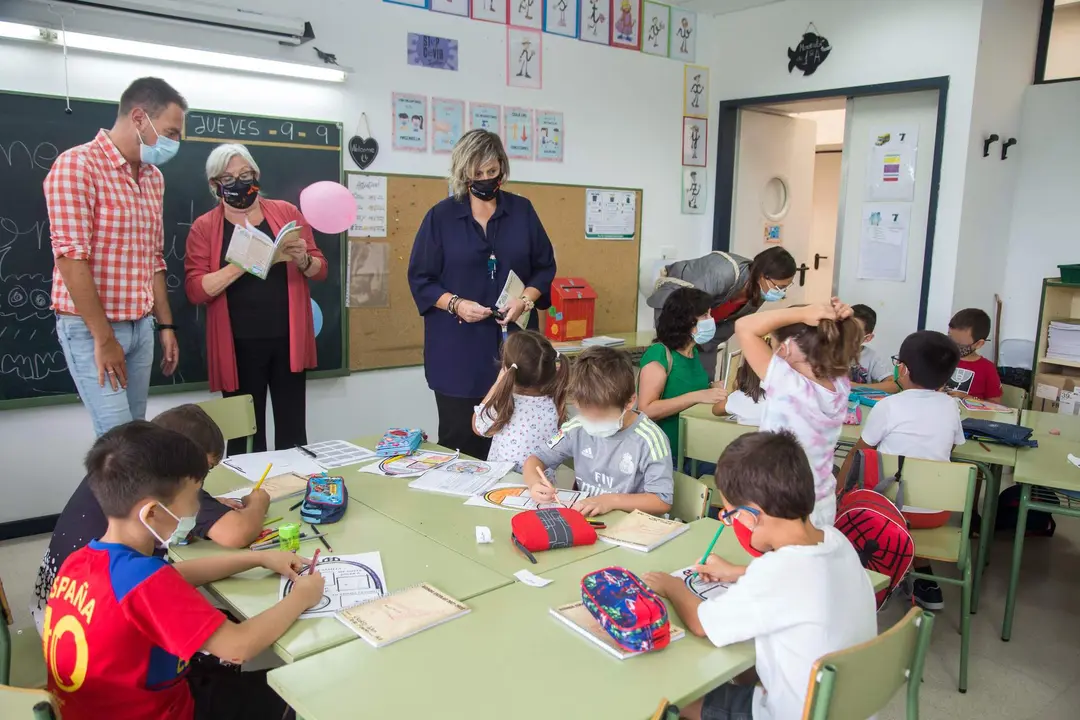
(927, 595)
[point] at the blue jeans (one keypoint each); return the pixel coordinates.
(109, 408)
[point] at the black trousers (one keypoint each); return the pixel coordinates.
(263, 364)
(224, 693)
(455, 426)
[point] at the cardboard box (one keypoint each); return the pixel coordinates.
(1049, 388)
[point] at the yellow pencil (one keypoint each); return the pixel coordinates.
(265, 473)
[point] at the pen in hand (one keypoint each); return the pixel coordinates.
(554, 490)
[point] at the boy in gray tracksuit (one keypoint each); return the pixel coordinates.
(622, 459)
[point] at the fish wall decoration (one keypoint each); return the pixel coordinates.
(810, 53)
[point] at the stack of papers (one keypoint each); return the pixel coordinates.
(1063, 340)
(401, 614)
(603, 340)
(577, 617)
(642, 532)
(463, 478)
(252, 465)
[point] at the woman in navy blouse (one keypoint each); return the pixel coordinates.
(462, 255)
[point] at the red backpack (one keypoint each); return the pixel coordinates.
(873, 524)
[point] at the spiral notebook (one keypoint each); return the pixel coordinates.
(401, 614)
(642, 532)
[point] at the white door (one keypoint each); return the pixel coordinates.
(895, 301)
(774, 191)
(821, 284)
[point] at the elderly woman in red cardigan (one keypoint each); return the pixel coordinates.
(259, 333)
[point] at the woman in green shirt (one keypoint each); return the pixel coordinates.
(672, 378)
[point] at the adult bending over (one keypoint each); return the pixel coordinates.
(463, 252)
(259, 333)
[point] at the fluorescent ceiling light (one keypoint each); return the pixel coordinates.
(169, 53)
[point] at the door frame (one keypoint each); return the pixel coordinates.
(727, 135)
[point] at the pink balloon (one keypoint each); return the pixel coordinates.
(328, 206)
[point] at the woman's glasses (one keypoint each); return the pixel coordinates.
(230, 180)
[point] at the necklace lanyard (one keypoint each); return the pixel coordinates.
(493, 265)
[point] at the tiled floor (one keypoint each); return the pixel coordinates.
(1036, 675)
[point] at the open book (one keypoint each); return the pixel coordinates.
(401, 614)
(641, 531)
(577, 616)
(255, 251)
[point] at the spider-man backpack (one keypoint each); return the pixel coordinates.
(873, 524)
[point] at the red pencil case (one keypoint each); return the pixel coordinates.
(549, 529)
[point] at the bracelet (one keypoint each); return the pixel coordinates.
(159, 328)
(307, 264)
(529, 304)
(451, 307)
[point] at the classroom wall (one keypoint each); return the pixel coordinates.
(623, 124)
(873, 42)
(1006, 64)
(1042, 233)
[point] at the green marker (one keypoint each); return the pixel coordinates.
(708, 551)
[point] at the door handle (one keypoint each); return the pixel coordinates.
(802, 273)
(818, 259)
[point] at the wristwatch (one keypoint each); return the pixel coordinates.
(159, 327)
(529, 304)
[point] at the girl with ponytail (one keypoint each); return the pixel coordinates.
(805, 381)
(527, 403)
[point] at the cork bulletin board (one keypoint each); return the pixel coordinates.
(393, 336)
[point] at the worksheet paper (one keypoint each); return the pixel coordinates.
(883, 244)
(462, 477)
(350, 580)
(610, 214)
(701, 588)
(508, 496)
(338, 453)
(252, 465)
(413, 465)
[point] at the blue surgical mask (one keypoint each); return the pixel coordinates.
(184, 526)
(160, 152)
(705, 331)
(774, 294)
(602, 428)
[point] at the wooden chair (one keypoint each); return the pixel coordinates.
(22, 661)
(235, 416)
(691, 501)
(1014, 397)
(855, 683)
(21, 704)
(943, 486)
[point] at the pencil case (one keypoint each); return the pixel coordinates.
(325, 500)
(549, 529)
(399, 441)
(633, 615)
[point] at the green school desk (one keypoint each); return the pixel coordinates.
(18, 703)
(1046, 466)
(408, 557)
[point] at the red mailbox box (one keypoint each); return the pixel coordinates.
(573, 305)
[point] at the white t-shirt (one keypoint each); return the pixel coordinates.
(815, 415)
(871, 367)
(745, 410)
(921, 424)
(797, 603)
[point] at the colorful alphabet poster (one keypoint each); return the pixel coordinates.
(490, 11)
(561, 17)
(695, 148)
(595, 21)
(693, 191)
(626, 25)
(695, 91)
(656, 26)
(447, 124)
(451, 7)
(524, 58)
(410, 122)
(527, 13)
(550, 136)
(518, 126)
(683, 45)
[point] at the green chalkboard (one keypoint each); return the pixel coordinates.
(34, 130)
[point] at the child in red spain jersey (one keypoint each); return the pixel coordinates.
(121, 626)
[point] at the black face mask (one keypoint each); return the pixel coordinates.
(485, 189)
(239, 195)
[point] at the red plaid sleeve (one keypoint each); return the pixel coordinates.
(159, 254)
(71, 198)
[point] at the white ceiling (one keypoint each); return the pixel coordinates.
(719, 7)
(802, 106)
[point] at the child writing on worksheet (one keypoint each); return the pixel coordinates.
(748, 400)
(622, 459)
(526, 405)
(806, 381)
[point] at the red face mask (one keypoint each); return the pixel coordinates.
(743, 534)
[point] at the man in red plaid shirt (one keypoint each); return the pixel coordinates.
(105, 202)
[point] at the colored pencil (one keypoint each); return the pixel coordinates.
(265, 473)
(314, 560)
(325, 544)
(296, 505)
(708, 550)
(271, 522)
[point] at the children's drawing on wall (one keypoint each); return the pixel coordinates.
(596, 21)
(524, 58)
(656, 19)
(484, 116)
(683, 35)
(526, 13)
(626, 32)
(409, 113)
(452, 7)
(561, 17)
(518, 125)
(490, 10)
(447, 124)
(369, 274)
(695, 91)
(695, 149)
(693, 192)
(550, 134)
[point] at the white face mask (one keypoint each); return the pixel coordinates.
(602, 428)
(184, 526)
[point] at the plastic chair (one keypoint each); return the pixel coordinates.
(691, 501)
(1014, 397)
(858, 682)
(235, 416)
(943, 486)
(19, 652)
(21, 704)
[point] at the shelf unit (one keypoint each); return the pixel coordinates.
(1060, 301)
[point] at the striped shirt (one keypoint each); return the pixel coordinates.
(98, 213)
(636, 459)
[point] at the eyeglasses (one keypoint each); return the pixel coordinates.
(895, 360)
(749, 519)
(244, 177)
